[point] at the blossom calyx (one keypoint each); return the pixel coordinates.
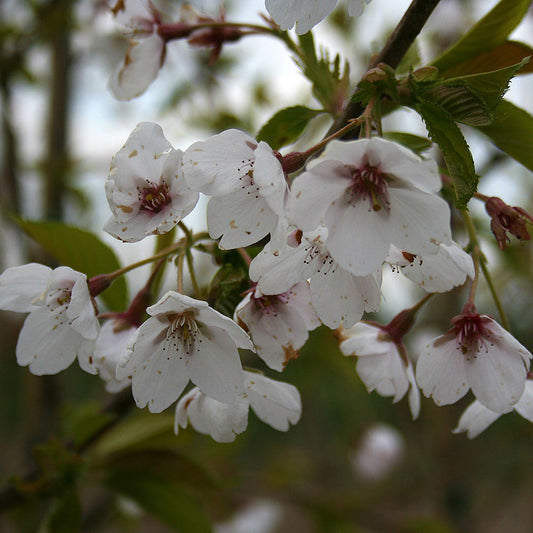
(505, 219)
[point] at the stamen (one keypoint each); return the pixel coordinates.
(154, 197)
(370, 183)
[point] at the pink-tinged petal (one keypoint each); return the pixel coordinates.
(352, 153)
(442, 271)
(81, 310)
(216, 165)
(399, 162)
(174, 302)
(143, 344)
(413, 396)
(131, 231)
(275, 403)
(212, 318)
(525, 405)
(314, 191)
(336, 297)
(86, 356)
(134, 14)
(496, 374)
(277, 333)
(305, 14)
(440, 371)
(476, 419)
(276, 274)
(359, 238)
(222, 421)
(47, 345)
(111, 346)
(419, 221)
(215, 366)
(142, 158)
(240, 219)
(385, 373)
(356, 7)
(364, 340)
(269, 177)
(139, 69)
(160, 380)
(21, 287)
(180, 415)
(299, 298)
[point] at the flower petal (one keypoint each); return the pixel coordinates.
(419, 220)
(21, 287)
(215, 366)
(359, 238)
(47, 345)
(440, 371)
(275, 403)
(476, 419)
(139, 69)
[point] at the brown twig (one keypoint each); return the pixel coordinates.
(392, 53)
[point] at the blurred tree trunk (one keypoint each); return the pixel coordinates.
(56, 167)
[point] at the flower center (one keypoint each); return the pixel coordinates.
(154, 197)
(183, 332)
(268, 303)
(368, 182)
(472, 334)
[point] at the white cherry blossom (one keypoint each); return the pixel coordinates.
(338, 296)
(371, 193)
(146, 51)
(276, 403)
(439, 272)
(247, 182)
(278, 324)
(184, 339)
(476, 353)
(111, 346)
(307, 13)
(146, 190)
(61, 324)
(383, 364)
(477, 418)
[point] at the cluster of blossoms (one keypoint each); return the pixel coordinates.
(149, 34)
(328, 232)
(357, 208)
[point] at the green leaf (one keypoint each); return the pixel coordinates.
(490, 86)
(414, 142)
(286, 126)
(491, 31)
(330, 81)
(81, 250)
(65, 514)
(512, 131)
(134, 432)
(443, 131)
(469, 99)
(504, 55)
(461, 103)
(158, 480)
(79, 423)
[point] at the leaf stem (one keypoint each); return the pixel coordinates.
(395, 48)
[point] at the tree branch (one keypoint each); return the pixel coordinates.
(392, 53)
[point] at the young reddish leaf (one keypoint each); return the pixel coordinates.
(491, 31)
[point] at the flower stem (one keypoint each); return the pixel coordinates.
(480, 263)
